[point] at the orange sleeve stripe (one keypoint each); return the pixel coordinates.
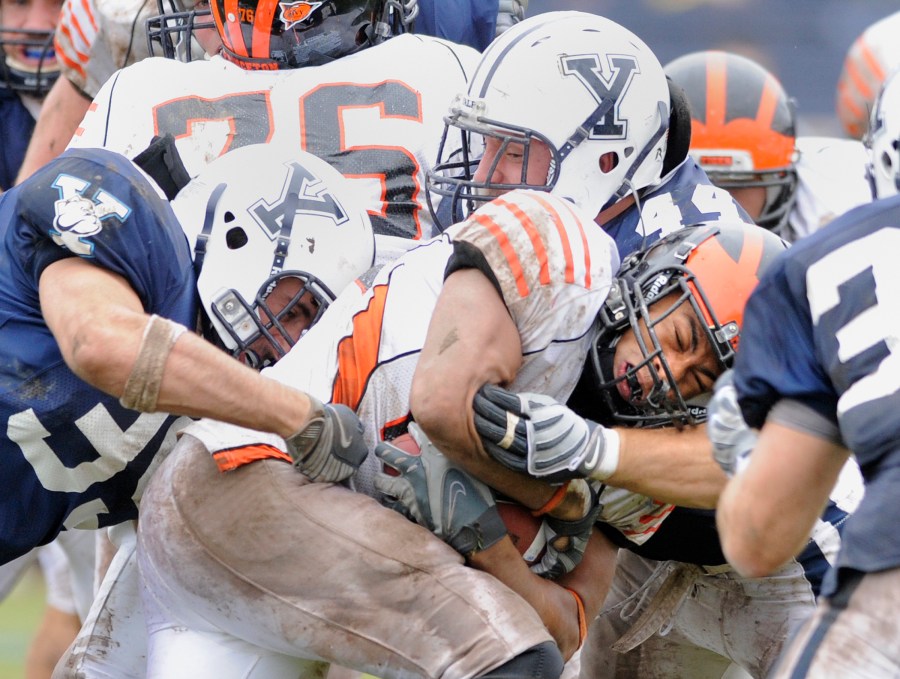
(358, 352)
(533, 235)
(227, 460)
(69, 62)
(588, 280)
(89, 14)
(872, 61)
(508, 251)
(563, 237)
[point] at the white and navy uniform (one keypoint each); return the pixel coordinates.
(376, 116)
(317, 571)
(684, 197)
(831, 307)
(831, 179)
(73, 456)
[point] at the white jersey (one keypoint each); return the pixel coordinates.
(832, 180)
(95, 38)
(376, 116)
(554, 267)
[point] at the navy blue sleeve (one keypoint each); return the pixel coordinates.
(97, 205)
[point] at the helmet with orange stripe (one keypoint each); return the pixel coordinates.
(743, 130)
(870, 59)
(672, 321)
(276, 34)
(271, 34)
(272, 247)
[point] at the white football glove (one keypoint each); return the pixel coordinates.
(330, 446)
(533, 434)
(732, 439)
(438, 495)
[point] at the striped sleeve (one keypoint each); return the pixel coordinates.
(75, 36)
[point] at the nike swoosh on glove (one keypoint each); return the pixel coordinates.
(533, 434)
(438, 495)
(330, 447)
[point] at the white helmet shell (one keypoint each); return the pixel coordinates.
(589, 86)
(259, 213)
(883, 140)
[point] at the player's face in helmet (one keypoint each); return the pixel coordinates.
(286, 314)
(742, 131)
(672, 320)
(183, 30)
(685, 356)
(571, 87)
(511, 162)
(28, 62)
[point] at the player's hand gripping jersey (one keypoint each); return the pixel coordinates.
(73, 454)
(377, 116)
(552, 266)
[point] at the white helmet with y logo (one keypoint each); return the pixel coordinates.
(581, 84)
(257, 215)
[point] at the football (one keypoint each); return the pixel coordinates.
(524, 529)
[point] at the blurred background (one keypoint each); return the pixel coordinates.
(803, 42)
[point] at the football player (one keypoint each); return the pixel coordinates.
(28, 67)
(100, 284)
(816, 378)
(744, 135)
(524, 145)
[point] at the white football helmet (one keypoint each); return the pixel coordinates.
(883, 140)
(257, 215)
(581, 84)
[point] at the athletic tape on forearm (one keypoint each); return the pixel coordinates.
(142, 386)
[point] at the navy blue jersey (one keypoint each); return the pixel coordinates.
(16, 127)
(822, 328)
(467, 22)
(686, 197)
(72, 456)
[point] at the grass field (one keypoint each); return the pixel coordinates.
(19, 616)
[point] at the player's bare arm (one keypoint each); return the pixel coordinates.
(98, 321)
(795, 471)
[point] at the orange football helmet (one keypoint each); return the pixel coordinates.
(714, 267)
(743, 127)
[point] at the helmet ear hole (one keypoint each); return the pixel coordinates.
(228, 217)
(608, 162)
(236, 238)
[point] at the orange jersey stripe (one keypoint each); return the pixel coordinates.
(358, 352)
(227, 460)
(85, 5)
(508, 251)
(564, 238)
(533, 235)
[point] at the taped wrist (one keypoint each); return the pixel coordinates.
(141, 390)
(484, 532)
(609, 458)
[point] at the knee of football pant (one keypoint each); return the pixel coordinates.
(543, 661)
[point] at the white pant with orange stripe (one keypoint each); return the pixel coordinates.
(259, 573)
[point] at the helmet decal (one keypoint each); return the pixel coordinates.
(588, 69)
(293, 13)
